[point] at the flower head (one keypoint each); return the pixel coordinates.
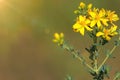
(89, 6)
(108, 33)
(98, 17)
(82, 5)
(112, 16)
(93, 19)
(58, 38)
(81, 24)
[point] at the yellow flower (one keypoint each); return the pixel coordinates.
(58, 38)
(76, 11)
(89, 6)
(98, 18)
(81, 25)
(108, 33)
(112, 16)
(82, 5)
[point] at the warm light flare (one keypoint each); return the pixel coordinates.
(2, 3)
(1, 0)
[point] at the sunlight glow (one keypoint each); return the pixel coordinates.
(2, 3)
(1, 0)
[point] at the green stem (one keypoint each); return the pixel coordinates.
(115, 78)
(75, 53)
(95, 57)
(106, 58)
(80, 59)
(96, 63)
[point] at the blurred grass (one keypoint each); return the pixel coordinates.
(26, 32)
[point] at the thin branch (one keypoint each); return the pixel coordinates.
(75, 53)
(115, 78)
(106, 58)
(80, 59)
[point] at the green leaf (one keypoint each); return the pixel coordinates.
(92, 73)
(103, 41)
(117, 42)
(107, 70)
(118, 31)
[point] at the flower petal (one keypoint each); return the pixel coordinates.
(92, 14)
(87, 21)
(99, 34)
(82, 30)
(114, 33)
(82, 5)
(101, 13)
(81, 18)
(99, 24)
(92, 23)
(104, 21)
(76, 27)
(108, 38)
(88, 28)
(61, 35)
(89, 6)
(54, 40)
(113, 28)
(56, 35)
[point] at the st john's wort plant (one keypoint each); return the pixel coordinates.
(99, 25)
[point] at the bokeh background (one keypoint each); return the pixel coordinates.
(26, 32)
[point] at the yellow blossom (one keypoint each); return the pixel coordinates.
(112, 16)
(76, 11)
(108, 33)
(82, 5)
(98, 18)
(89, 6)
(81, 24)
(58, 38)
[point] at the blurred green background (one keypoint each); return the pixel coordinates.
(26, 32)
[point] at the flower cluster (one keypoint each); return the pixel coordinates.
(90, 18)
(58, 38)
(100, 26)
